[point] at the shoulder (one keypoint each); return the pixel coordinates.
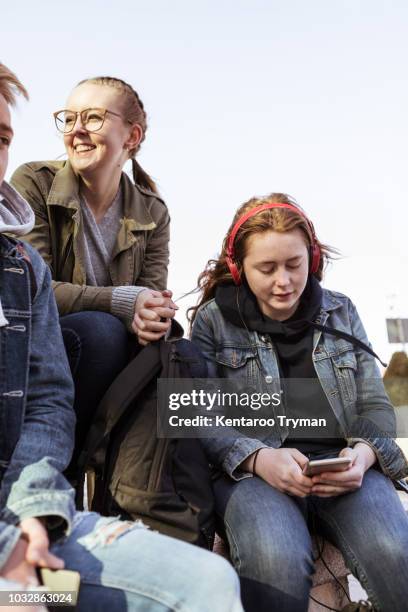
(144, 196)
(150, 196)
(154, 205)
(209, 310)
(38, 174)
(341, 309)
(38, 168)
(143, 205)
(210, 323)
(206, 322)
(334, 299)
(210, 316)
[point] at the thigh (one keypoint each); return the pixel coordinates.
(370, 527)
(261, 517)
(269, 541)
(97, 346)
(143, 570)
(96, 339)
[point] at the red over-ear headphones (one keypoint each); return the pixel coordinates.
(315, 252)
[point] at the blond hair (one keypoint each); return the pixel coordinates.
(10, 85)
(133, 110)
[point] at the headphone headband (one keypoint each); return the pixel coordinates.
(315, 249)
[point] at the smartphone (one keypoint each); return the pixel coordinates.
(65, 581)
(318, 466)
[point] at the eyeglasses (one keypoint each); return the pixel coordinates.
(92, 119)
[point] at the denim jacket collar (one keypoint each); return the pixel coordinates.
(329, 303)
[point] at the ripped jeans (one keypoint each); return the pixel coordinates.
(125, 566)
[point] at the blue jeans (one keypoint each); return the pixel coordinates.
(270, 543)
(126, 567)
(98, 348)
(142, 570)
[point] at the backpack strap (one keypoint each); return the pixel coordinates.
(122, 392)
(182, 359)
(175, 359)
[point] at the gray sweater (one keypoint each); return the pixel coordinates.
(98, 241)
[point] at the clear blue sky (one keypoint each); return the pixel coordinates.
(244, 98)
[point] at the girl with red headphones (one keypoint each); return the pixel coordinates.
(264, 318)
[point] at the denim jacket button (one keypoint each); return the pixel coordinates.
(268, 378)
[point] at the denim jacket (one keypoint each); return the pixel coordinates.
(349, 377)
(36, 396)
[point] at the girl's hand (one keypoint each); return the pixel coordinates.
(38, 553)
(282, 469)
(153, 313)
(328, 484)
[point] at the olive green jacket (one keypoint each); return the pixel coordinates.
(140, 256)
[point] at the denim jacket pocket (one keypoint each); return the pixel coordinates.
(345, 369)
(238, 363)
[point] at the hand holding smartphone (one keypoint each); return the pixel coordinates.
(337, 464)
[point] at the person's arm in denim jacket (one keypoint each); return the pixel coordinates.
(33, 484)
(375, 423)
(9, 536)
(229, 452)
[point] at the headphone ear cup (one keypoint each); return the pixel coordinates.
(315, 255)
(232, 266)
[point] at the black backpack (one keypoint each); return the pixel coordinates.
(165, 482)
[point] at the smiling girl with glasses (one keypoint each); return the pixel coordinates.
(104, 237)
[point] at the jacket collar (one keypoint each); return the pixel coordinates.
(329, 303)
(65, 192)
(64, 189)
